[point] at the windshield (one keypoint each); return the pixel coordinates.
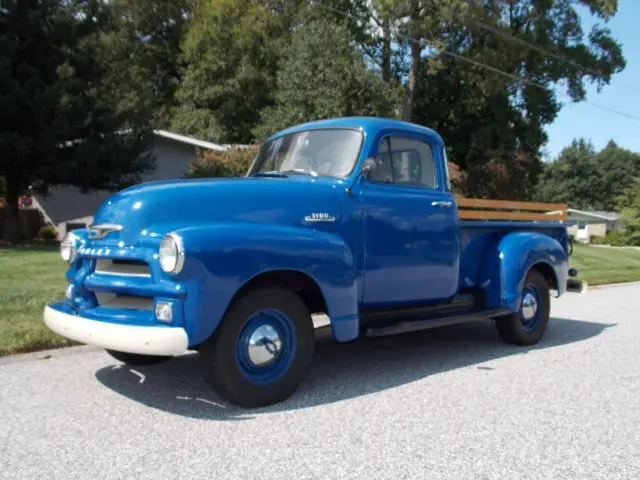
(331, 152)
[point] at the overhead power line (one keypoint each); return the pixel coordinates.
(533, 46)
(484, 65)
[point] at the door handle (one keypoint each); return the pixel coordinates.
(441, 204)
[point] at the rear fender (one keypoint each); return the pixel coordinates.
(221, 258)
(507, 261)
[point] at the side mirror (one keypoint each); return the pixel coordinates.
(368, 167)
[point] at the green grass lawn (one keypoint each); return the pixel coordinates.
(32, 276)
(598, 266)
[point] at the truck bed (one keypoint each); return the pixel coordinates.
(477, 236)
(484, 222)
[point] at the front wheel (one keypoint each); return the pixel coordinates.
(262, 349)
(528, 324)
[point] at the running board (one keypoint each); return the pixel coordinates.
(415, 325)
(462, 303)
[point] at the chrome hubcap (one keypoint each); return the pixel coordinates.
(264, 346)
(529, 306)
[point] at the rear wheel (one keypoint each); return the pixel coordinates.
(262, 349)
(527, 326)
(135, 358)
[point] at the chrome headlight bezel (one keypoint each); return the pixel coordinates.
(69, 247)
(171, 253)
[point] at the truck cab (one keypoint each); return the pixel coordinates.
(349, 217)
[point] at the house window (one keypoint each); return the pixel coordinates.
(582, 225)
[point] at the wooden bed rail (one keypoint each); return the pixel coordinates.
(480, 209)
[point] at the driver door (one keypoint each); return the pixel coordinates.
(410, 226)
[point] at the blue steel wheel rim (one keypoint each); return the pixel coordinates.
(267, 321)
(530, 307)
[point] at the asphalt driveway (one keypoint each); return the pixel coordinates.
(448, 403)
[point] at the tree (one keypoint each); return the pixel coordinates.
(231, 52)
(58, 121)
(629, 205)
(323, 76)
(144, 47)
(618, 167)
(573, 178)
(371, 24)
(586, 179)
(477, 110)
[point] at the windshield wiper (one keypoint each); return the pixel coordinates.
(302, 171)
(273, 173)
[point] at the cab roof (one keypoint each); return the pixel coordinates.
(370, 125)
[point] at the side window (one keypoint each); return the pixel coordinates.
(413, 162)
(405, 162)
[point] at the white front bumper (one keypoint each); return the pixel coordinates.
(123, 338)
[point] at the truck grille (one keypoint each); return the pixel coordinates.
(126, 268)
(128, 302)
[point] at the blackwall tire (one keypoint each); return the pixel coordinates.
(262, 349)
(528, 325)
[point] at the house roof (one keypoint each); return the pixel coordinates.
(190, 140)
(606, 215)
(598, 214)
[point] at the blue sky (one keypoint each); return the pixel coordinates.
(623, 93)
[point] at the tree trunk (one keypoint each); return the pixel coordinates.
(11, 230)
(410, 88)
(386, 49)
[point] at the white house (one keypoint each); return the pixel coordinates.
(67, 208)
(587, 224)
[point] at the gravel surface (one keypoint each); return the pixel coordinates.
(449, 403)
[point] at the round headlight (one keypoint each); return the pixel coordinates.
(171, 253)
(68, 247)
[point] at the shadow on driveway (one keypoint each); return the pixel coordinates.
(339, 371)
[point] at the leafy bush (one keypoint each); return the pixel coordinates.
(234, 162)
(597, 240)
(48, 232)
(500, 174)
(616, 238)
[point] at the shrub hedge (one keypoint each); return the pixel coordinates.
(234, 162)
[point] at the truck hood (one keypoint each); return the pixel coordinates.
(153, 209)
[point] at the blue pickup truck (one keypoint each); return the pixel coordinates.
(350, 217)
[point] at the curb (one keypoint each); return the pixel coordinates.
(614, 285)
(48, 354)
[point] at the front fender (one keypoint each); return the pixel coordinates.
(221, 258)
(507, 262)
